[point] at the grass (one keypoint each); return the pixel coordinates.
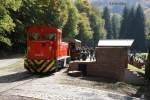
(135, 69)
(143, 55)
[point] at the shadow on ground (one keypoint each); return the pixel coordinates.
(20, 76)
(144, 91)
(12, 56)
(99, 79)
(15, 77)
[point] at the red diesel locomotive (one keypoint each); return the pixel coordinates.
(45, 50)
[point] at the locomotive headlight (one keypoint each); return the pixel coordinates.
(29, 48)
(50, 48)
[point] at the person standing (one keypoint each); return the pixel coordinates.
(91, 54)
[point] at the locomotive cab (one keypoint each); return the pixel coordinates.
(44, 49)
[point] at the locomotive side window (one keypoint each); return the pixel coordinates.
(51, 36)
(35, 36)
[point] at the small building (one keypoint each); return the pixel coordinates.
(113, 48)
(112, 57)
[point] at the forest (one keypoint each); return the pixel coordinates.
(76, 18)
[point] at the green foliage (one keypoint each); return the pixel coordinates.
(70, 28)
(107, 18)
(91, 25)
(128, 23)
(5, 40)
(148, 29)
(124, 25)
(131, 23)
(11, 4)
(133, 27)
(142, 55)
(83, 6)
(115, 26)
(97, 25)
(140, 29)
(135, 69)
(84, 26)
(57, 13)
(43, 12)
(6, 22)
(85, 32)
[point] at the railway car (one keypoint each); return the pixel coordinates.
(75, 49)
(45, 50)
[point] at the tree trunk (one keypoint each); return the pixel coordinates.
(147, 67)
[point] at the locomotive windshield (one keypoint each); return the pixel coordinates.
(46, 36)
(50, 36)
(35, 36)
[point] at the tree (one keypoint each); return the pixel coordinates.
(83, 6)
(147, 67)
(124, 24)
(6, 22)
(97, 25)
(133, 27)
(85, 31)
(44, 12)
(131, 34)
(57, 13)
(148, 29)
(140, 29)
(115, 26)
(24, 17)
(93, 18)
(70, 28)
(107, 18)
(84, 28)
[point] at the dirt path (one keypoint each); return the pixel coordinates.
(59, 86)
(16, 85)
(7, 62)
